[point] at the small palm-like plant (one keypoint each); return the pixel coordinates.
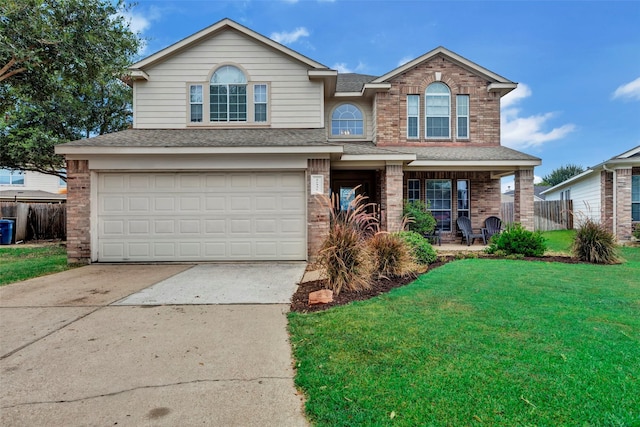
(344, 258)
(594, 244)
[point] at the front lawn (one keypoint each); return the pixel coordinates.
(480, 342)
(559, 241)
(21, 263)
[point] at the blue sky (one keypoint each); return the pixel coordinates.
(577, 62)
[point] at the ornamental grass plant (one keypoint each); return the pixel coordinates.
(595, 244)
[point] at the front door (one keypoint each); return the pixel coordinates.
(344, 183)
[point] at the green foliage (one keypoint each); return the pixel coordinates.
(19, 263)
(516, 240)
(561, 174)
(422, 250)
(345, 258)
(392, 256)
(60, 64)
(420, 219)
(593, 243)
(636, 231)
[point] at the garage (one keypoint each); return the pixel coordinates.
(201, 216)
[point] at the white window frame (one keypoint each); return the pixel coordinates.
(462, 115)
(635, 191)
(230, 87)
(262, 101)
(346, 132)
(13, 175)
(460, 200)
(413, 112)
(193, 103)
(429, 105)
(435, 208)
(412, 190)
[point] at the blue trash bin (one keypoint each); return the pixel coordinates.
(6, 231)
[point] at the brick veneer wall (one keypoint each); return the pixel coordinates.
(392, 196)
(623, 204)
(78, 212)
(484, 106)
(523, 199)
(606, 200)
(317, 212)
(485, 198)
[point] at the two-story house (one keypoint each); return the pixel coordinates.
(235, 135)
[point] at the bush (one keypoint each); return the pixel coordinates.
(420, 219)
(516, 240)
(344, 258)
(422, 250)
(391, 255)
(594, 244)
(636, 231)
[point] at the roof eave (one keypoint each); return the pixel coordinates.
(121, 150)
(485, 164)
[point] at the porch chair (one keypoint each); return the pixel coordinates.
(492, 225)
(464, 224)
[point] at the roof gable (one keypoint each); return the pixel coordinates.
(220, 26)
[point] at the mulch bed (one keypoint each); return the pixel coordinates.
(300, 300)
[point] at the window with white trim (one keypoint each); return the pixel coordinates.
(413, 190)
(11, 177)
(437, 111)
(463, 198)
(260, 103)
(462, 113)
(413, 115)
(438, 199)
(635, 198)
(347, 120)
(195, 104)
(228, 95)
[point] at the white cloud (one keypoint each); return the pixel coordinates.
(137, 22)
(289, 37)
(342, 67)
(522, 132)
(404, 60)
(630, 90)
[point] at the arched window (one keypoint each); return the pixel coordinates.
(228, 95)
(438, 110)
(346, 120)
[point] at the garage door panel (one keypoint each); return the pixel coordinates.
(201, 216)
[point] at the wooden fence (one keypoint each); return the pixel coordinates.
(36, 221)
(548, 214)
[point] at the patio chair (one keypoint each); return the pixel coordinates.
(464, 224)
(492, 225)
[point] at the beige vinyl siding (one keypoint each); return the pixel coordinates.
(365, 105)
(161, 102)
(34, 181)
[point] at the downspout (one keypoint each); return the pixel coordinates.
(615, 197)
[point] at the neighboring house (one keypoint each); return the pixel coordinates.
(608, 193)
(235, 135)
(507, 196)
(28, 186)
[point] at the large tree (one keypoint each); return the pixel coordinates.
(60, 65)
(561, 174)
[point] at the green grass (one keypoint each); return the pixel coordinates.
(559, 241)
(480, 342)
(21, 263)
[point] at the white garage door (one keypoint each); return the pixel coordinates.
(201, 216)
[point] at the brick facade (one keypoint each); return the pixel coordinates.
(392, 196)
(523, 199)
(623, 204)
(606, 200)
(317, 211)
(78, 212)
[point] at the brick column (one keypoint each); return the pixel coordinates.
(623, 204)
(523, 199)
(606, 200)
(78, 212)
(392, 198)
(317, 212)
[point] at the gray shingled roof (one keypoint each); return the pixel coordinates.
(352, 82)
(206, 138)
(465, 153)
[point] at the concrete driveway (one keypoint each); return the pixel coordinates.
(69, 356)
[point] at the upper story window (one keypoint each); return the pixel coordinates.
(413, 113)
(438, 107)
(260, 103)
(347, 120)
(195, 104)
(11, 177)
(228, 95)
(462, 110)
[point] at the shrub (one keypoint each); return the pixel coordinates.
(594, 244)
(391, 255)
(636, 231)
(516, 240)
(420, 219)
(344, 258)
(422, 250)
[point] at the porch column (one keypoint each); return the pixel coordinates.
(317, 212)
(523, 198)
(606, 201)
(78, 212)
(622, 218)
(392, 197)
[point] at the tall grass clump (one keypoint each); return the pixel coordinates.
(594, 244)
(516, 240)
(345, 259)
(392, 256)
